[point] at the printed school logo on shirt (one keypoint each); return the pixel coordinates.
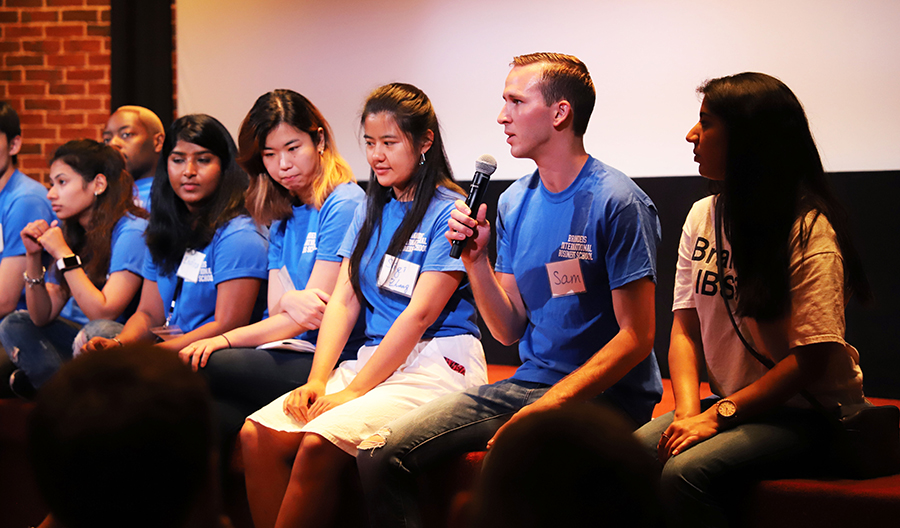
(576, 247)
(206, 274)
(707, 280)
(309, 246)
(417, 242)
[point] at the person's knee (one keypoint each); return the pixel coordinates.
(682, 475)
(249, 436)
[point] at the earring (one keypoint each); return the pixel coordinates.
(96, 193)
(422, 161)
(321, 152)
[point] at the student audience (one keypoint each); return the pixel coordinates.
(304, 188)
(97, 253)
(770, 249)
(138, 134)
(370, 345)
(422, 337)
(207, 260)
(22, 200)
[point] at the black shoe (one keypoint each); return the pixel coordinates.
(21, 385)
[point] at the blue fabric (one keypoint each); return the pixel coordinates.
(127, 253)
(611, 226)
(310, 235)
(22, 200)
(238, 250)
(40, 351)
(142, 189)
(697, 483)
(427, 248)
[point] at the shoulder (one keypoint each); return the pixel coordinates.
(239, 226)
(24, 192)
(345, 196)
(612, 185)
(814, 233)
(524, 185)
(131, 223)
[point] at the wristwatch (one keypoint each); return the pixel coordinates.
(726, 409)
(68, 263)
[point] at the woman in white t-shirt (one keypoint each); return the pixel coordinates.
(788, 267)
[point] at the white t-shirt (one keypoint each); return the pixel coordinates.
(817, 307)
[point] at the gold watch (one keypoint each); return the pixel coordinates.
(726, 409)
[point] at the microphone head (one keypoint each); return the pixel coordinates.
(486, 164)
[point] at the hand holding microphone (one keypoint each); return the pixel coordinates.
(485, 165)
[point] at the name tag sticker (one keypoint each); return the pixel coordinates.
(1, 238)
(285, 279)
(398, 278)
(189, 269)
(565, 277)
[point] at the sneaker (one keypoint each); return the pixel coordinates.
(21, 385)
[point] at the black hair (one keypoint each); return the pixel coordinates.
(90, 158)
(124, 436)
(9, 125)
(173, 229)
(412, 111)
(773, 176)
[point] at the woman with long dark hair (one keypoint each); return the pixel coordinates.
(422, 337)
(207, 258)
(302, 187)
(97, 253)
(784, 259)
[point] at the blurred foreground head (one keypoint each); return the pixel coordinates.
(577, 466)
(124, 437)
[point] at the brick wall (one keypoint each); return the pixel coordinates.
(55, 73)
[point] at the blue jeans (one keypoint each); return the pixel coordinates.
(698, 485)
(40, 351)
(450, 425)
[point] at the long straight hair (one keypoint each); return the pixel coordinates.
(89, 158)
(173, 229)
(268, 200)
(412, 111)
(773, 176)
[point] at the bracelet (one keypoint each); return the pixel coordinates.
(226, 340)
(31, 282)
(116, 339)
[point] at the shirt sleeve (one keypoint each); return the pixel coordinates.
(632, 236)
(437, 256)
(683, 295)
(276, 241)
(335, 218)
(128, 249)
(240, 252)
(23, 210)
(349, 241)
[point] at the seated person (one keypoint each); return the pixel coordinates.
(138, 134)
(207, 259)
(97, 253)
(304, 188)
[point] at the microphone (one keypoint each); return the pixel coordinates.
(485, 165)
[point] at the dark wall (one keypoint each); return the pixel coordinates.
(870, 198)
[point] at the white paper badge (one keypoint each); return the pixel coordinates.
(189, 269)
(398, 278)
(285, 279)
(1, 238)
(565, 277)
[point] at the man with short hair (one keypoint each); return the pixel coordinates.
(22, 200)
(573, 284)
(138, 134)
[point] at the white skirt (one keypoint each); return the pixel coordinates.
(436, 367)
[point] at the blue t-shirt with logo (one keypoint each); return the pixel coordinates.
(609, 227)
(427, 248)
(296, 243)
(237, 251)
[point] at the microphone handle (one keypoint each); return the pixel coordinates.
(476, 195)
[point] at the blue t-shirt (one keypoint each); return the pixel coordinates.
(127, 253)
(427, 248)
(237, 251)
(310, 235)
(22, 201)
(610, 228)
(142, 189)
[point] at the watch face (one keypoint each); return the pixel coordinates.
(726, 408)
